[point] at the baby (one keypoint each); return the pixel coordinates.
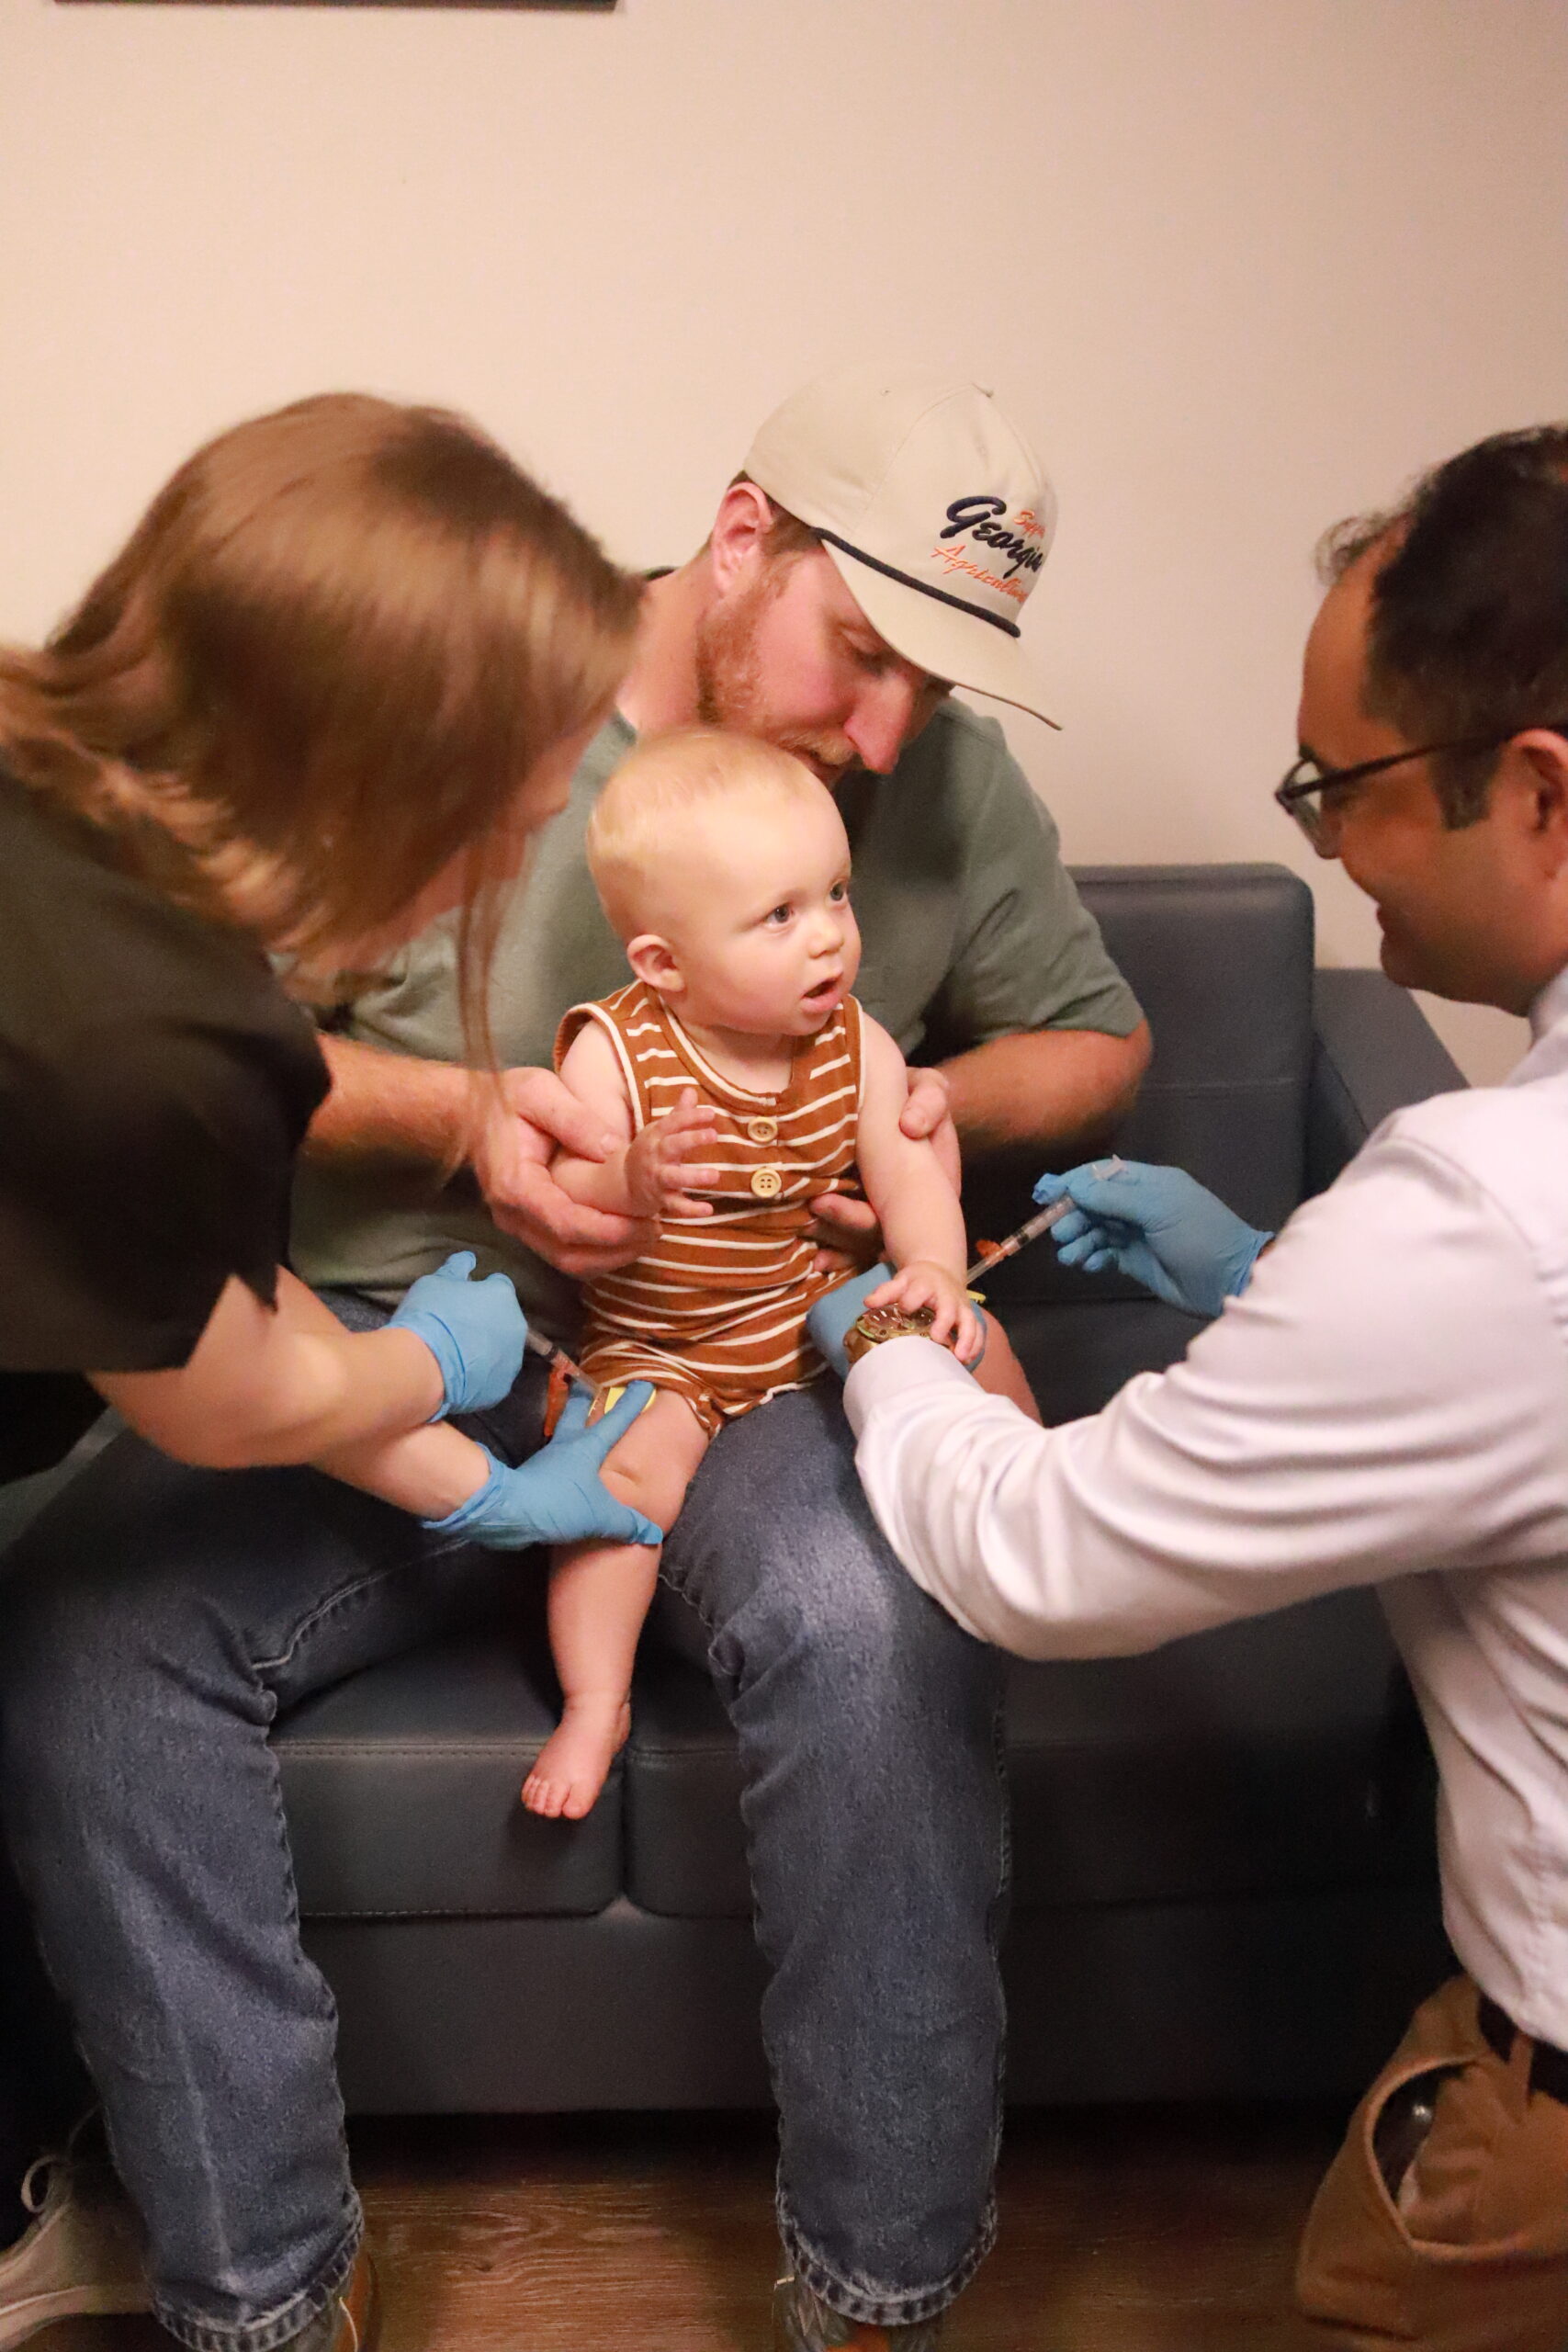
(746, 1081)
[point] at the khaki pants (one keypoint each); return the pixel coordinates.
(1472, 2256)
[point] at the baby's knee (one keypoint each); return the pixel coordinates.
(652, 1466)
(646, 1488)
(999, 1372)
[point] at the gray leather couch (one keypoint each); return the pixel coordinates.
(1223, 1880)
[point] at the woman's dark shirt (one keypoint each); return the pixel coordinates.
(156, 1084)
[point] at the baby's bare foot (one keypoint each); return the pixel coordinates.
(575, 1758)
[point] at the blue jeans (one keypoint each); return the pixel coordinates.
(155, 1620)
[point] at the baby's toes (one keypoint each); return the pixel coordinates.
(543, 1797)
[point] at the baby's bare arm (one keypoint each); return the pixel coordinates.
(922, 1224)
(594, 1075)
(904, 1180)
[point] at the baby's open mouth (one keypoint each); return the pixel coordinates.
(824, 990)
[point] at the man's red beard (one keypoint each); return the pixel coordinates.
(729, 687)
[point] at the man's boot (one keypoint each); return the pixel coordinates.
(79, 2258)
(352, 2321)
(803, 2323)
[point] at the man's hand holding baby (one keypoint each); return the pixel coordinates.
(535, 1118)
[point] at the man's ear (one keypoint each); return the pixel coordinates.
(1545, 758)
(737, 549)
(653, 961)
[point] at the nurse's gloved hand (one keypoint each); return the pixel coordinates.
(1157, 1225)
(475, 1331)
(557, 1496)
(827, 1321)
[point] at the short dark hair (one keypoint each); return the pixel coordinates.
(1468, 627)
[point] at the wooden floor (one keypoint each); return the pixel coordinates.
(1163, 2231)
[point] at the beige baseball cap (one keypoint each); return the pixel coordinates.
(934, 508)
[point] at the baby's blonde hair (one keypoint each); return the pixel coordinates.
(634, 827)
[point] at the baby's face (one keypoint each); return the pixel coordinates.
(758, 916)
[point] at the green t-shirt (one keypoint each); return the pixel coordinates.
(971, 930)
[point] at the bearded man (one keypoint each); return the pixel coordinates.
(876, 549)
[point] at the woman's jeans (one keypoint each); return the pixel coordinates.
(156, 1620)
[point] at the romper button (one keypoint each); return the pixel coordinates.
(761, 1130)
(767, 1183)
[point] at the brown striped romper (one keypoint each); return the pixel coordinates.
(717, 1310)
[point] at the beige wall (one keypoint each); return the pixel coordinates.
(1238, 266)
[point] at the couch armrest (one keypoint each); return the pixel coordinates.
(1373, 1052)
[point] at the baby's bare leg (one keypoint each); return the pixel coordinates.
(1002, 1374)
(599, 1596)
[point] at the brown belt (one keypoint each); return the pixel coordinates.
(1549, 2066)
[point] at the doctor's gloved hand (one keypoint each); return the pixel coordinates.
(475, 1331)
(1157, 1225)
(827, 1321)
(557, 1496)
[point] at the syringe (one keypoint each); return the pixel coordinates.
(1019, 1238)
(1033, 1228)
(554, 1355)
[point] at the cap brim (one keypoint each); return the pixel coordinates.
(962, 648)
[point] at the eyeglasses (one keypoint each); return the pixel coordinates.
(1300, 791)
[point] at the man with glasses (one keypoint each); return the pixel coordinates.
(1383, 1398)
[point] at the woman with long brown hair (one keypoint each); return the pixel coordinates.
(339, 673)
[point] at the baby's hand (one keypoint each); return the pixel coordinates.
(659, 1165)
(954, 1323)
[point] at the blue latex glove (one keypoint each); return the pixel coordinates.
(557, 1496)
(475, 1331)
(836, 1310)
(1157, 1225)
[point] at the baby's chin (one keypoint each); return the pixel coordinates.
(791, 1021)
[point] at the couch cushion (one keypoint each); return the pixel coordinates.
(1255, 1759)
(1221, 958)
(401, 1790)
(685, 1845)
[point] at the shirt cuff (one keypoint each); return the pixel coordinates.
(894, 1369)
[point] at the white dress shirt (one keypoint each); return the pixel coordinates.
(1386, 1403)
